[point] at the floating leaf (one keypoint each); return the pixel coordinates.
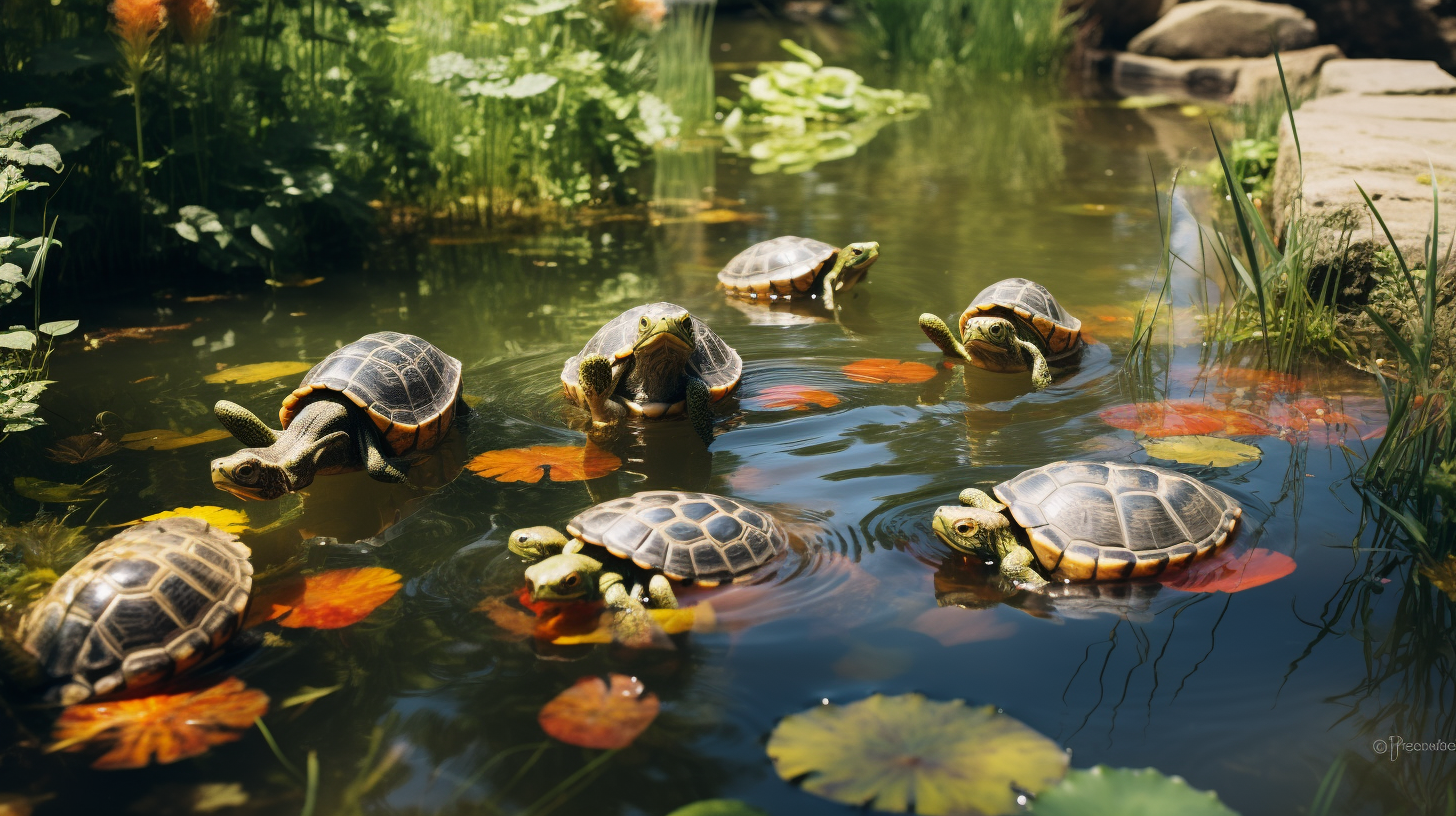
(229, 521)
(55, 492)
(325, 600)
(151, 334)
(1243, 423)
(1104, 791)
(592, 715)
(1265, 383)
(1158, 419)
(898, 753)
(1442, 576)
(168, 727)
(879, 370)
(954, 626)
(163, 439)
(695, 618)
(1227, 572)
(1202, 450)
(793, 397)
(718, 807)
(565, 463)
(308, 694)
(74, 450)
(299, 284)
(257, 372)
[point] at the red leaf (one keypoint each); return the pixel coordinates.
(1233, 573)
(591, 715)
(1158, 419)
(793, 397)
(326, 600)
(879, 370)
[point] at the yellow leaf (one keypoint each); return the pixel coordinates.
(1202, 450)
(163, 439)
(229, 521)
(257, 372)
(696, 618)
(1443, 576)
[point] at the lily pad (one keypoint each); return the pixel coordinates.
(592, 714)
(257, 372)
(792, 397)
(324, 600)
(1202, 450)
(1228, 572)
(879, 370)
(1159, 419)
(1104, 791)
(899, 753)
(564, 463)
(56, 492)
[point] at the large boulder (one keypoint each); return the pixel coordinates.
(1213, 29)
(1114, 22)
(1400, 29)
(1234, 80)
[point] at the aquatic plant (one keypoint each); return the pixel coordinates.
(993, 38)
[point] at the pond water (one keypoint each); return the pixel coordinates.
(1219, 688)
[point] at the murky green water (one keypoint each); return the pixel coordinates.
(1218, 688)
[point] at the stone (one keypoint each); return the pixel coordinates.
(1214, 29)
(1405, 29)
(1259, 78)
(1224, 80)
(1115, 21)
(1380, 76)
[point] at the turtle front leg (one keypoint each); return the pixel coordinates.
(659, 589)
(1016, 565)
(700, 409)
(940, 334)
(971, 497)
(244, 425)
(1041, 373)
(598, 384)
(375, 463)
(631, 625)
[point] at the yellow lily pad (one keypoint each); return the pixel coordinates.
(229, 521)
(1202, 450)
(1442, 575)
(257, 372)
(56, 492)
(696, 618)
(163, 439)
(895, 753)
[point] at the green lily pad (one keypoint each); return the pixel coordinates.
(1202, 450)
(1104, 791)
(56, 492)
(718, 807)
(895, 753)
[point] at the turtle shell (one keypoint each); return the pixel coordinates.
(713, 361)
(1093, 521)
(1029, 304)
(783, 266)
(688, 536)
(408, 387)
(146, 604)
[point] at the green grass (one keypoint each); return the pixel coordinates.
(996, 38)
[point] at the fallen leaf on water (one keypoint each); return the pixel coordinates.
(718, 807)
(696, 618)
(723, 216)
(1285, 417)
(324, 600)
(308, 694)
(257, 372)
(163, 439)
(168, 727)
(74, 450)
(229, 521)
(1228, 572)
(954, 626)
(593, 715)
(793, 397)
(1202, 450)
(899, 753)
(879, 370)
(1158, 419)
(1104, 791)
(56, 492)
(565, 463)
(1266, 383)
(1442, 576)
(296, 284)
(100, 337)
(1243, 423)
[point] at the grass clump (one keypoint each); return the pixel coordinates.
(994, 38)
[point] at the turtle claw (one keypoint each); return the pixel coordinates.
(597, 384)
(1041, 373)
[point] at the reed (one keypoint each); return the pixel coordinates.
(994, 38)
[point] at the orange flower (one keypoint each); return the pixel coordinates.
(193, 18)
(138, 22)
(646, 13)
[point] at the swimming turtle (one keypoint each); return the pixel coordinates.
(1012, 325)
(675, 534)
(145, 605)
(655, 360)
(384, 395)
(789, 265)
(1090, 521)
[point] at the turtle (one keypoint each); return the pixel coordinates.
(654, 361)
(384, 395)
(145, 605)
(1091, 521)
(1012, 325)
(789, 265)
(674, 534)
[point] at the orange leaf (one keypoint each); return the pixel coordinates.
(1233, 573)
(879, 370)
(1243, 423)
(793, 397)
(167, 726)
(591, 715)
(1267, 383)
(325, 600)
(565, 463)
(1158, 419)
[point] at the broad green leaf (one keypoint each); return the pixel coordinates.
(56, 328)
(43, 155)
(56, 492)
(1202, 450)
(18, 339)
(14, 124)
(718, 807)
(899, 753)
(1104, 791)
(11, 273)
(257, 372)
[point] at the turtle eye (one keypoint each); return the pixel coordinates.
(522, 538)
(856, 251)
(645, 322)
(687, 323)
(571, 580)
(963, 528)
(245, 472)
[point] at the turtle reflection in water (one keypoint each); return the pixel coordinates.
(654, 361)
(790, 266)
(970, 583)
(677, 535)
(384, 395)
(1089, 521)
(1012, 325)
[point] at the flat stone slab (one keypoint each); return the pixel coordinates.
(1380, 76)
(1223, 80)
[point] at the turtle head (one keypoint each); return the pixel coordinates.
(991, 335)
(858, 257)
(251, 474)
(536, 543)
(971, 530)
(664, 329)
(569, 576)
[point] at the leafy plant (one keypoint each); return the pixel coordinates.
(994, 38)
